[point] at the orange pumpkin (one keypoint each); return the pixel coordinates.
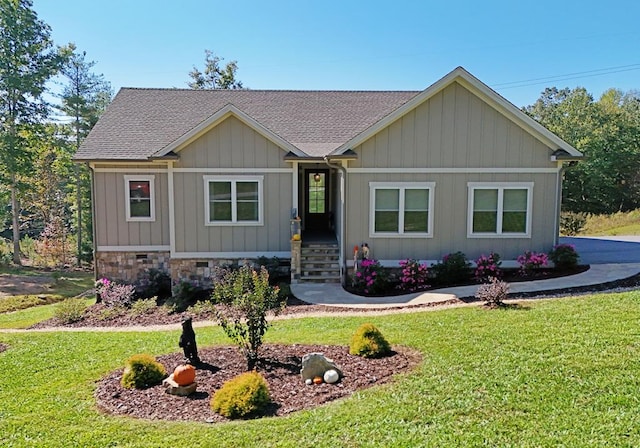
(184, 374)
(317, 380)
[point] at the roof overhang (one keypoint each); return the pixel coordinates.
(349, 154)
(560, 155)
(484, 92)
(218, 117)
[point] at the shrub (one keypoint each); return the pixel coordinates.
(113, 294)
(184, 295)
(70, 310)
(454, 268)
(155, 283)
(414, 275)
(369, 342)
(143, 306)
(564, 256)
(142, 371)
(487, 267)
(572, 223)
(244, 298)
(241, 396)
(529, 261)
(493, 293)
(369, 278)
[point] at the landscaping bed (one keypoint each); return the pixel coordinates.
(280, 365)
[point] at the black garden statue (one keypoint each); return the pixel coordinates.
(188, 342)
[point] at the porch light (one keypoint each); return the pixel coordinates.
(317, 177)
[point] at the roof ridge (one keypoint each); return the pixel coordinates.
(180, 89)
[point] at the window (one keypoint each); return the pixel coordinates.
(140, 201)
(502, 209)
(233, 200)
(401, 209)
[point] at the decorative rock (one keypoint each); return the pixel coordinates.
(315, 364)
(308, 381)
(331, 376)
(173, 388)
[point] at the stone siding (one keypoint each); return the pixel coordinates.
(130, 267)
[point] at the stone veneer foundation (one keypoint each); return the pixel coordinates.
(131, 267)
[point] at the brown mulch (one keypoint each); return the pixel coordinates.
(280, 365)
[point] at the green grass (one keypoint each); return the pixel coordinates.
(552, 373)
(611, 225)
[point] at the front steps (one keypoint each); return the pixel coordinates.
(319, 263)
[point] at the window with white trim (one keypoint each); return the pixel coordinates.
(140, 198)
(499, 209)
(401, 209)
(233, 200)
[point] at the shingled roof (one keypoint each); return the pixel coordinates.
(140, 123)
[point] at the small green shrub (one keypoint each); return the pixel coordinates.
(369, 342)
(572, 223)
(112, 312)
(143, 306)
(454, 268)
(70, 310)
(564, 256)
(493, 293)
(202, 307)
(141, 371)
(241, 396)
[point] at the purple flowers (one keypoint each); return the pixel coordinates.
(530, 261)
(369, 278)
(487, 267)
(414, 275)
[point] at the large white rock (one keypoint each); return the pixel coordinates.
(315, 364)
(173, 388)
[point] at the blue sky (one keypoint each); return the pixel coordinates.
(516, 47)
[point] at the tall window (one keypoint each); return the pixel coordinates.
(499, 209)
(317, 192)
(233, 200)
(140, 201)
(401, 208)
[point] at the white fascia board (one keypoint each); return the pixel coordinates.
(217, 118)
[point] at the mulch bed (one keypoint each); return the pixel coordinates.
(280, 365)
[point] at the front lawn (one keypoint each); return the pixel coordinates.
(560, 372)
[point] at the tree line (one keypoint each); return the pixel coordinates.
(45, 197)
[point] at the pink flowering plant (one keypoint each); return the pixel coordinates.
(530, 261)
(369, 278)
(487, 267)
(113, 294)
(414, 275)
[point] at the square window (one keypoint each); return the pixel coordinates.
(401, 209)
(233, 200)
(501, 209)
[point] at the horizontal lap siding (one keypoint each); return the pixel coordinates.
(231, 144)
(454, 129)
(112, 228)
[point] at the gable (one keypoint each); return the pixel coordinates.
(454, 128)
(231, 144)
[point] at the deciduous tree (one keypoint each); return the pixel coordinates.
(214, 76)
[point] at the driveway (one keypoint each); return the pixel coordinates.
(606, 250)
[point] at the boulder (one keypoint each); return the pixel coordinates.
(173, 388)
(315, 365)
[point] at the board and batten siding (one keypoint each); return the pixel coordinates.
(458, 138)
(454, 128)
(112, 228)
(232, 145)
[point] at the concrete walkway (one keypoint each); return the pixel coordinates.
(331, 294)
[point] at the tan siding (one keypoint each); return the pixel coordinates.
(454, 128)
(232, 144)
(450, 217)
(112, 228)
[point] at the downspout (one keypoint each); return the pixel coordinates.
(93, 222)
(343, 221)
(558, 203)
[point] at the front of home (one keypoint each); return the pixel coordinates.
(184, 180)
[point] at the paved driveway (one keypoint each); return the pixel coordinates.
(605, 250)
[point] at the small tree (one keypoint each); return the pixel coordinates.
(243, 299)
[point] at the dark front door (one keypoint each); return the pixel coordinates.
(316, 186)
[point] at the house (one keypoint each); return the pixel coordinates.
(184, 180)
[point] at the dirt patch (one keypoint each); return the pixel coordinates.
(12, 285)
(3, 347)
(280, 365)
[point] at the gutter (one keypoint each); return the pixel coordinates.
(343, 221)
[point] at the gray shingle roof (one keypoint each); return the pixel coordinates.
(141, 122)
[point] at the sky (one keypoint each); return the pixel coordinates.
(516, 47)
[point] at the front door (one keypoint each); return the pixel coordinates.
(317, 214)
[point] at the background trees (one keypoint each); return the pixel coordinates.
(607, 131)
(214, 76)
